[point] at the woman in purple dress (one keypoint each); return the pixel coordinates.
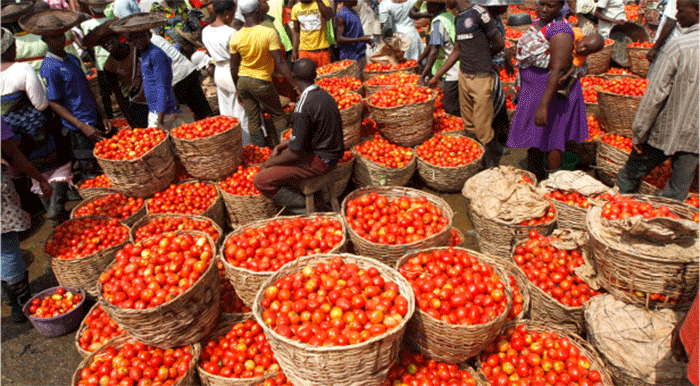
(543, 121)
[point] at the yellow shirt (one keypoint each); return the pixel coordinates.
(254, 45)
(312, 26)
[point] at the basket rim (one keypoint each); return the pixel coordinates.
(167, 136)
(366, 139)
(366, 82)
(148, 218)
(77, 259)
(379, 72)
(83, 327)
(329, 74)
(105, 195)
(432, 98)
(568, 206)
(208, 137)
(299, 263)
(52, 291)
(612, 94)
(451, 168)
(213, 184)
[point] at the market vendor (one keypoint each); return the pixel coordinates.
(314, 148)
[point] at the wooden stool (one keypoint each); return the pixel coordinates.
(313, 185)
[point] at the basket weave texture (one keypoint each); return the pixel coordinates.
(145, 175)
(365, 363)
(129, 221)
(637, 57)
(243, 209)
(389, 254)
(599, 62)
(184, 320)
(619, 111)
(406, 125)
(453, 343)
(369, 173)
(88, 193)
(340, 176)
(569, 216)
(353, 70)
(352, 121)
(448, 179)
(213, 157)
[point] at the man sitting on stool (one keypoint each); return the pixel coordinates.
(315, 147)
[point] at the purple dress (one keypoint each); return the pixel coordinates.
(566, 119)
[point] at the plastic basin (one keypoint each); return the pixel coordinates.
(61, 324)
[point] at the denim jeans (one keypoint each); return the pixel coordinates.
(12, 265)
(640, 164)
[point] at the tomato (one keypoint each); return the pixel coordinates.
(340, 85)
(129, 143)
(448, 151)
(389, 67)
(205, 127)
(162, 224)
(393, 79)
(83, 236)
(335, 66)
(114, 205)
(186, 198)
(100, 181)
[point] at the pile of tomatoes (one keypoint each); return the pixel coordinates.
(400, 221)
(452, 286)
(54, 305)
(618, 141)
(229, 301)
(513, 34)
(508, 78)
(137, 364)
(525, 357)
(119, 123)
(592, 81)
(333, 304)
(189, 198)
(449, 151)
(632, 12)
(660, 175)
(388, 67)
(346, 99)
(115, 205)
(335, 66)
(549, 216)
(241, 182)
(269, 247)
(509, 102)
(443, 123)
(393, 96)
(571, 198)
(346, 83)
(518, 300)
(395, 78)
(414, 369)
(626, 86)
(243, 352)
(81, 237)
(594, 130)
(693, 200)
(129, 144)
(455, 239)
(620, 207)
(368, 128)
(253, 155)
(101, 328)
(278, 380)
(100, 181)
(383, 152)
(156, 270)
(164, 224)
(205, 128)
(641, 45)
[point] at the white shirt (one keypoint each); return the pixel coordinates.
(22, 77)
(614, 9)
(216, 39)
(146, 5)
(669, 13)
(200, 60)
(182, 67)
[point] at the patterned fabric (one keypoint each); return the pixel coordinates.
(533, 46)
(178, 19)
(13, 217)
(26, 120)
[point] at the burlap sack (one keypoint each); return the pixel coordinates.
(391, 50)
(574, 181)
(658, 229)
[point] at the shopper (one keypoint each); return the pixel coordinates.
(310, 36)
(350, 36)
(393, 15)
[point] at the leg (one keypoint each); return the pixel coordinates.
(637, 166)
(481, 94)
(682, 175)
(56, 210)
(554, 159)
(450, 98)
(15, 282)
(535, 162)
(105, 93)
(245, 89)
(189, 92)
(85, 161)
(465, 104)
(267, 97)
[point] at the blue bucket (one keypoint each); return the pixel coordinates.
(61, 324)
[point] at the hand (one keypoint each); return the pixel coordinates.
(107, 124)
(46, 189)
(433, 82)
(541, 116)
(238, 97)
(92, 133)
(651, 54)
(677, 348)
(637, 148)
(297, 90)
(510, 70)
(368, 39)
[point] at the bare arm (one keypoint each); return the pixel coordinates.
(497, 44)
(666, 30)
(342, 39)
(326, 11)
(560, 59)
(113, 80)
(602, 17)
(235, 64)
(415, 14)
(449, 62)
(88, 130)
(14, 156)
(295, 40)
(431, 54)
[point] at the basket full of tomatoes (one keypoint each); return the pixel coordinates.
(373, 69)
(619, 101)
(404, 113)
(379, 162)
(56, 311)
(137, 162)
(637, 56)
(452, 322)
(571, 208)
(350, 107)
(153, 224)
(209, 149)
(81, 249)
(445, 162)
(381, 81)
(244, 203)
(350, 339)
(189, 197)
(96, 329)
(253, 253)
(95, 187)
(339, 69)
(639, 271)
(127, 210)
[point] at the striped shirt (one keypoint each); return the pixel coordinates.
(667, 118)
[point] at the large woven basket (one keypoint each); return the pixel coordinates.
(632, 275)
(599, 62)
(352, 121)
(188, 379)
(353, 70)
(244, 209)
(184, 320)
(247, 282)
(145, 220)
(637, 57)
(88, 193)
(83, 272)
(511, 269)
(145, 175)
(569, 216)
(369, 173)
(610, 159)
(215, 211)
(211, 158)
(593, 109)
(371, 74)
(407, 125)
(340, 176)
(365, 363)
(389, 254)
(83, 327)
(528, 5)
(448, 179)
(454, 343)
(619, 111)
(129, 221)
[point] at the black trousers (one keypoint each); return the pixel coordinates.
(189, 92)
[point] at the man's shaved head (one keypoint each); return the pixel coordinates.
(305, 70)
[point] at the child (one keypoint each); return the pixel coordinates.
(584, 45)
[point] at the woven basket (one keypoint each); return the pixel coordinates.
(83, 272)
(129, 221)
(619, 111)
(215, 211)
(352, 121)
(88, 193)
(592, 109)
(448, 179)
(569, 216)
(389, 254)
(407, 125)
(213, 157)
(247, 282)
(609, 158)
(83, 327)
(370, 89)
(365, 363)
(352, 71)
(187, 380)
(186, 319)
(612, 77)
(340, 176)
(528, 5)
(453, 343)
(627, 273)
(637, 57)
(143, 176)
(371, 74)
(244, 209)
(599, 62)
(511, 269)
(145, 220)
(369, 173)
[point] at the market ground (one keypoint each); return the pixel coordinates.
(30, 359)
